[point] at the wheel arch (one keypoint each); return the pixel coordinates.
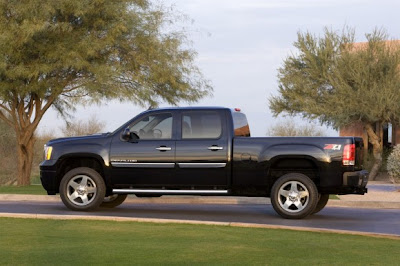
(302, 164)
(72, 161)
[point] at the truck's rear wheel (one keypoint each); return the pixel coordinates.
(294, 196)
(82, 189)
(113, 200)
(322, 201)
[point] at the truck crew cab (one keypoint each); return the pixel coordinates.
(201, 151)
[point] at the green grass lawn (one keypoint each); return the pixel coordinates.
(32, 189)
(42, 242)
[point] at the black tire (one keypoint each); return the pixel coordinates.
(294, 196)
(82, 189)
(322, 201)
(113, 201)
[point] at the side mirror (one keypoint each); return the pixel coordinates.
(126, 134)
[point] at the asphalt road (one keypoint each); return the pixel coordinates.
(364, 220)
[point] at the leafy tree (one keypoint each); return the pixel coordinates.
(289, 128)
(56, 53)
(341, 82)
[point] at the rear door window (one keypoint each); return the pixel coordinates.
(201, 125)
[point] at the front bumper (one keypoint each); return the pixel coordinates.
(355, 182)
(48, 177)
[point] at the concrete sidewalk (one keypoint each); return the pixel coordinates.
(381, 195)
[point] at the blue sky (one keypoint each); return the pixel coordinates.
(241, 44)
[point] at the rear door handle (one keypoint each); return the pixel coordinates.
(215, 148)
(163, 148)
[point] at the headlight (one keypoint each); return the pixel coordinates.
(47, 152)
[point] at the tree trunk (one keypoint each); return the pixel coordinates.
(377, 151)
(25, 152)
(24, 113)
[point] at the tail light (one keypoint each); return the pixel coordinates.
(349, 154)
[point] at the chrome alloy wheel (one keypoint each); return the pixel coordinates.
(81, 190)
(293, 196)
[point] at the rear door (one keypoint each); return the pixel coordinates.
(202, 149)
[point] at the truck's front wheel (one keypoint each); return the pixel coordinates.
(82, 189)
(294, 196)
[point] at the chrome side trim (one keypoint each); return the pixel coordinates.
(201, 165)
(143, 165)
(167, 191)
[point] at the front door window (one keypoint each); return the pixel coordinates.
(154, 127)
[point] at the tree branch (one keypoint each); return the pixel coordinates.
(5, 119)
(377, 150)
(30, 105)
(72, 88)
(21, 112)
(16, 124)
(39, 114)
(5, 108)
(75, 96)
(374, 139)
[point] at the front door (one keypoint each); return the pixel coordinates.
(148, 160)
(202, 149)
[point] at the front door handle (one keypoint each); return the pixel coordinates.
(163, 148)
(215, 148)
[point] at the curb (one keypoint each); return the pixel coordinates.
(207, 200)
(175, 221)
(364, 204)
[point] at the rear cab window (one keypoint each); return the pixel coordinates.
(240, 124)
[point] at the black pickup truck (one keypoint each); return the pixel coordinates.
(201, 151)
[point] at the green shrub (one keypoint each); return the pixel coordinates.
(393, 164)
